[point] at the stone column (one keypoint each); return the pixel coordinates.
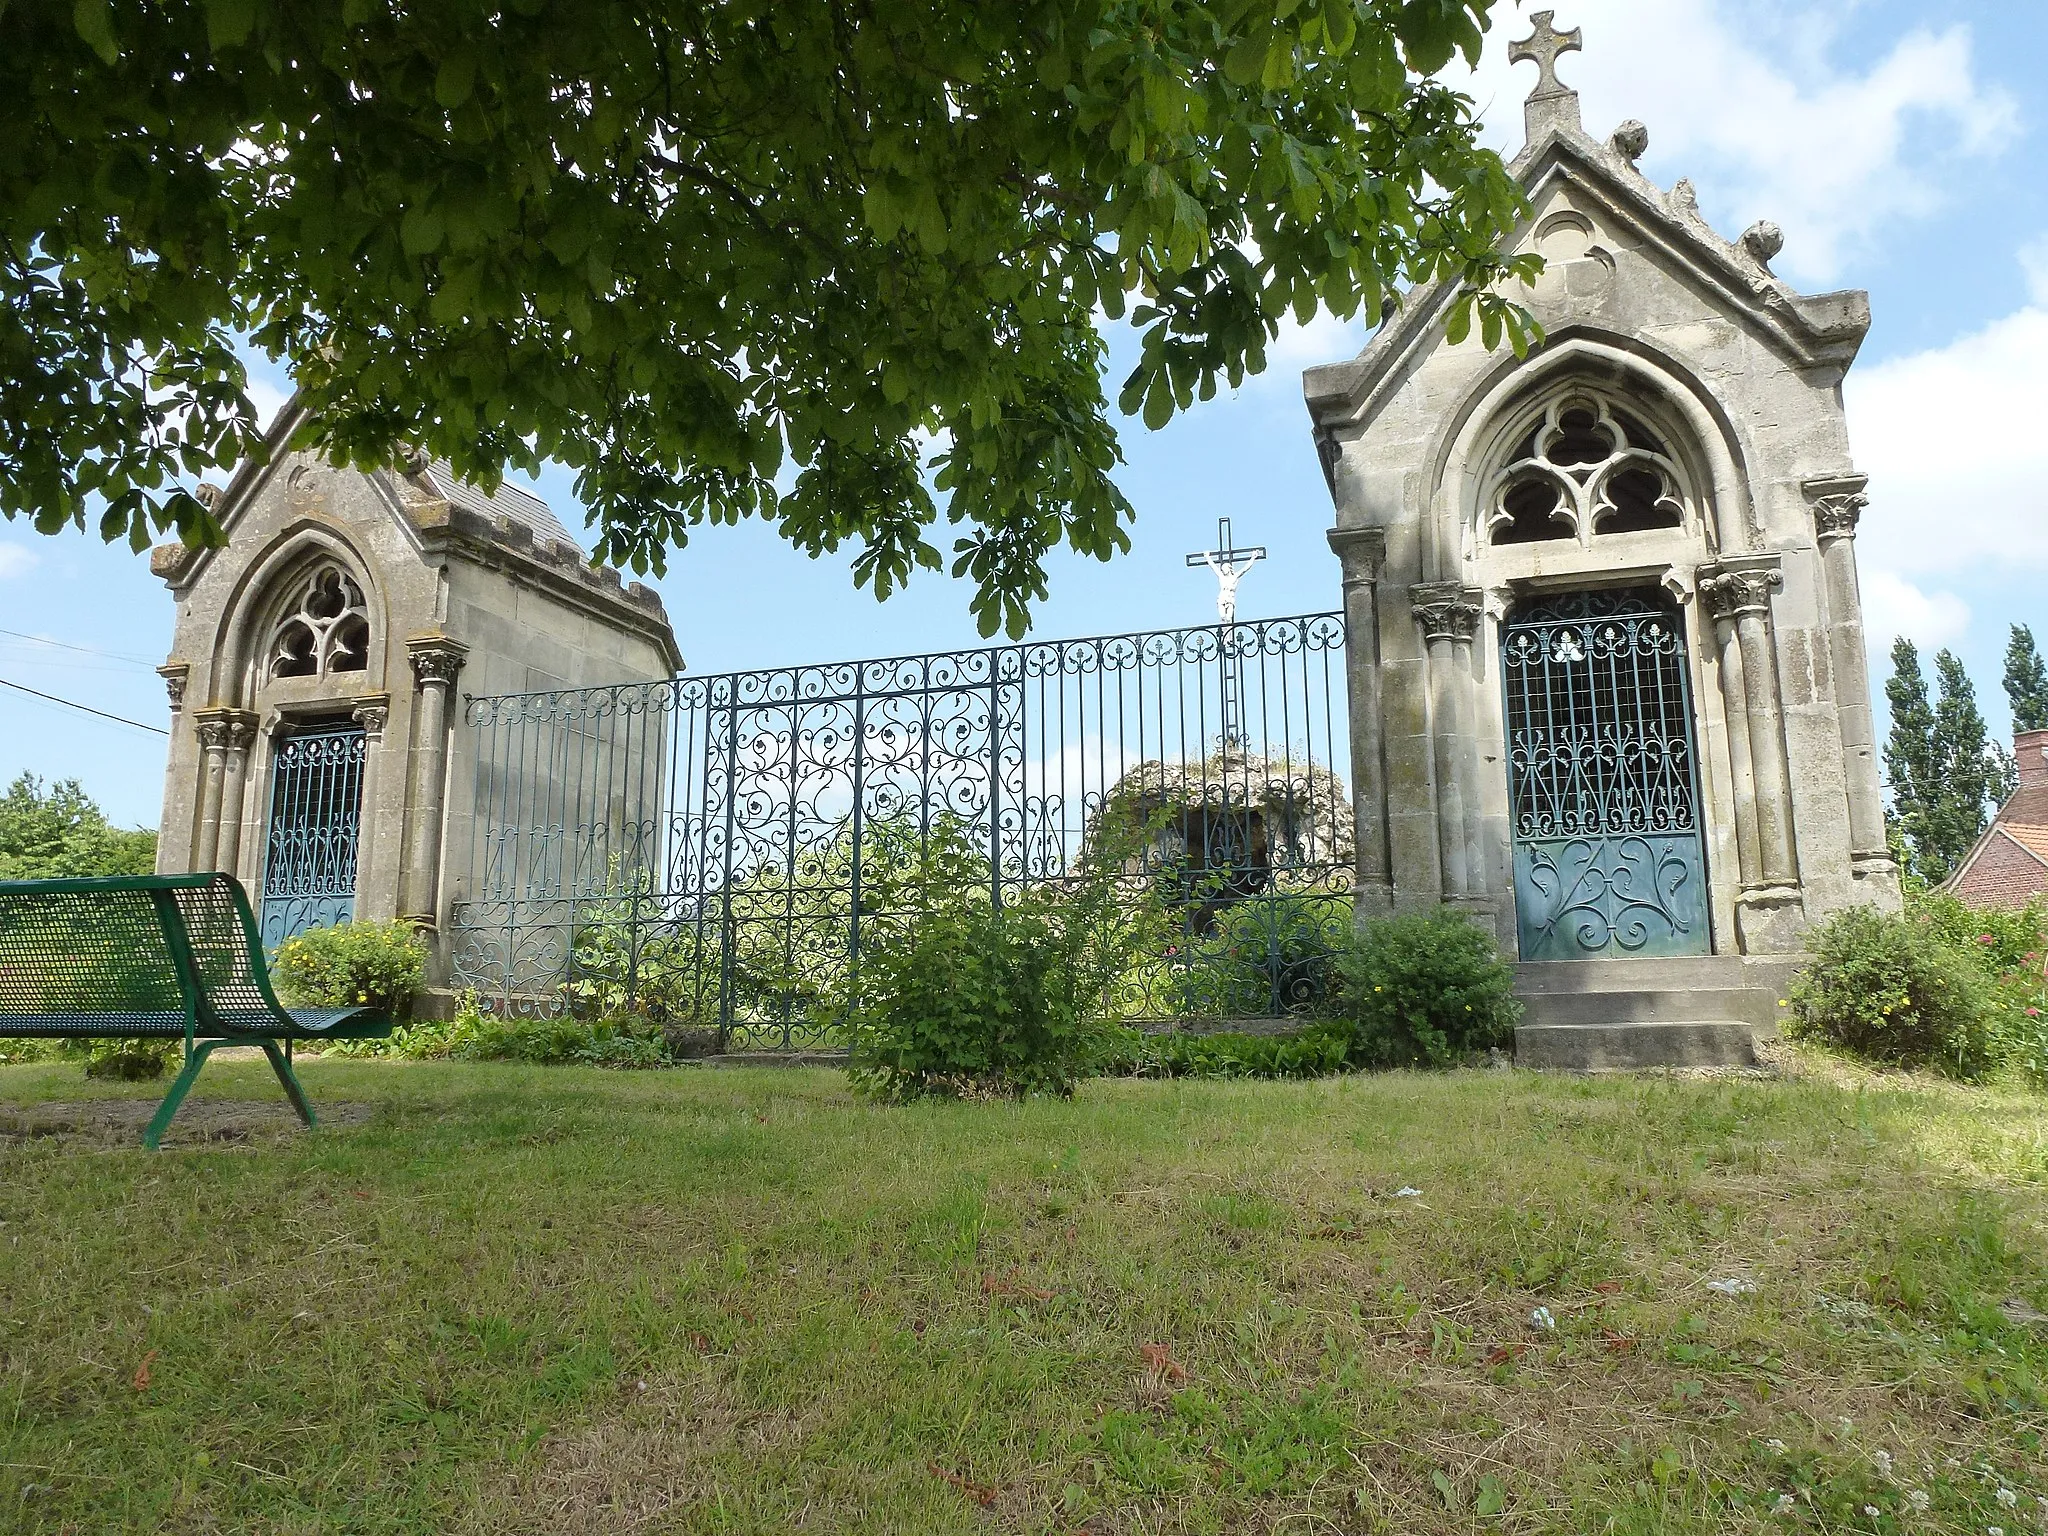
(372, 714)
(1362, 551)
(436, 660)
(1735, 705)
(212, 726)
(175, 674)
(241, 731)
(1838, 503)
(1449, 615)
(1769, 909)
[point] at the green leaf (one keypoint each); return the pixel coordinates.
(420, 230)
(455, 79)
(94, 20)
(1458, 323)
(1446, 1489)
(1245, 64)
(229, 22)
(1492, 1497)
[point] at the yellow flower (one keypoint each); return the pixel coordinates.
(1781, 1002)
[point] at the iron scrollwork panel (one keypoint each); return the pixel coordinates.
(1609, 859)
(316, 803)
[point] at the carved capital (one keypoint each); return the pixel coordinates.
(372, 715)
(1447, 610)
(1838, 502)
(212, 728)
(436, 659)
(1361, 551)
(241, 726)
(1732, 591)
(175, 675)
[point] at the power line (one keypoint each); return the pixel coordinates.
(72, 704)
(66, 645)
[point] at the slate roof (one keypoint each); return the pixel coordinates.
(508, 501)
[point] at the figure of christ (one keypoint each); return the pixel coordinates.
(1228, 574)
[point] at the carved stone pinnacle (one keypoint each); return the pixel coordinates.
(1630, 140)
(1763, 240)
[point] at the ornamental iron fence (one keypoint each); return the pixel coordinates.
(704, 850)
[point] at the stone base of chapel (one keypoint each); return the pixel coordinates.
(1614, 1015)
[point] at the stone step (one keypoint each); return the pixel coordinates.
(1753, 1006)
(1624, 1047)
(1673, 974)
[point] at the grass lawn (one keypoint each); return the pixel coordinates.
(500, 1299)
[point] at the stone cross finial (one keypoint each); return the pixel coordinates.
(1552, 102)
(1544, 45)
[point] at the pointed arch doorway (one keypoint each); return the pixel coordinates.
(1603, 785)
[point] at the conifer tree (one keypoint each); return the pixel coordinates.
(1966, 776)
(2026, 681)
(1909, 750)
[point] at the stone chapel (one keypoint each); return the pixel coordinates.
(1607, 676)
(319, 749)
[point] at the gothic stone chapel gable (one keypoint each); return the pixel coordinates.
(318, 746)
(1608, 682)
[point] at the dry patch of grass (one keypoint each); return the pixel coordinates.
(552, 1299)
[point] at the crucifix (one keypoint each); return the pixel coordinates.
(1224, 561)
(1544, 45)
(1229, 563)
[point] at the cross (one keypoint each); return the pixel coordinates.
(1223, 560)
(1544, 45)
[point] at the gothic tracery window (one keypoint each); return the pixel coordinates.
(1586, 469)
(325, 627)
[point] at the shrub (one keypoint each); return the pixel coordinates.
(957, 995)
(1888, 987)
(379, 965)
(1425, 989)
(1316, 1051)
(1270, 953)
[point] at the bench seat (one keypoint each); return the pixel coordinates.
(155, 956)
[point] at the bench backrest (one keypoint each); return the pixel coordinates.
(166, 954)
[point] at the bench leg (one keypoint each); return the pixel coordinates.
(195, 1058)
(281, 1064)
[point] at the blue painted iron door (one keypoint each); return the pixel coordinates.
(316, 811)
(1608, 855)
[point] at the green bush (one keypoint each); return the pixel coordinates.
(378, 965)
(1425, 989)
(1891, 988)
(1267, 954)
(958, 996)
(1316, 1051)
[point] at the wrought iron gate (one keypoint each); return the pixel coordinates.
(1608, 856)
(316, 807)
(700, 849)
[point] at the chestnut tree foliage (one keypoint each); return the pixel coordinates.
(841, 264)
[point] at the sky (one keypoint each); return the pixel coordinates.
(1900, 147)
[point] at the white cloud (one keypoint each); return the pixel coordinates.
(268, 398)
(1893, 606)
(1953, 443)
(1742, 98)
(17, 560)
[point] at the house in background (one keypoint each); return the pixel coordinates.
(2009, 865)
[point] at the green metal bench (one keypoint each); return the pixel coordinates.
(154, 955)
